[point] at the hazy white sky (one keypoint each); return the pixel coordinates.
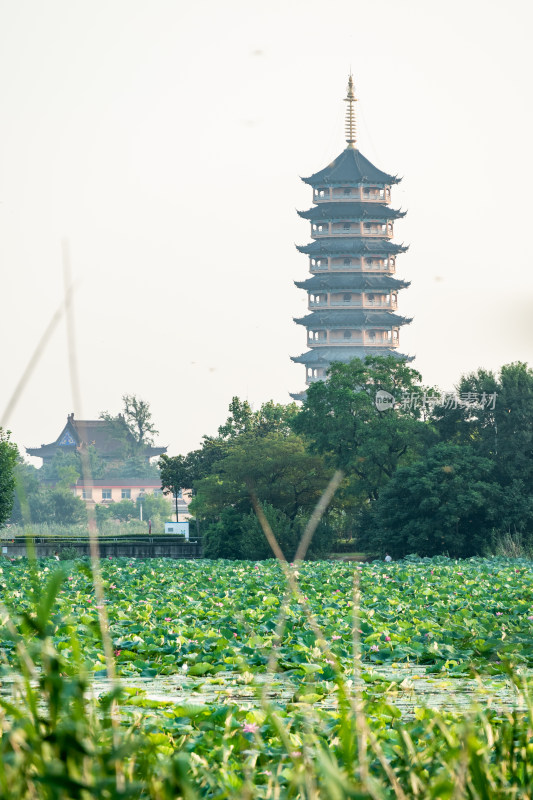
(165, 140)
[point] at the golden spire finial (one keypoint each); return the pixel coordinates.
(350, 114)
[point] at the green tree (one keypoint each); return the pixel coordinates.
(279, 469)
(139, 419)
(124, 510)
(65, 507)
(132, 429)
(134, 467)
(222, 538)
(446, 503)
(270, 418)
(9, 455)
(66, 467)
(175, 476)
(27, 486)
(494, 417)
(62, 465)
(342, 421)
(154, 507)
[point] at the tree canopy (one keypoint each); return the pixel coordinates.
(133, 427)
(342, 420)
(9, 455)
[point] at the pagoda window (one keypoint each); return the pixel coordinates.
(346, 226)
(347, 262)
(347, 334)
(346, 298)
(347, 191)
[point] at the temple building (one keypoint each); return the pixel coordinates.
(352, 291)
(79, 434)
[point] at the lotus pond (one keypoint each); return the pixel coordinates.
(259, 683)
(206, 618)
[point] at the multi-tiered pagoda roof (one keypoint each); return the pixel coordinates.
(352, 291)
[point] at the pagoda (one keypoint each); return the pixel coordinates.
(352, 291)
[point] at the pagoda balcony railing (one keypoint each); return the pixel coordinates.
(352, 198)
(390, 268)
(352, 234)
(378, 341)
(357, 304)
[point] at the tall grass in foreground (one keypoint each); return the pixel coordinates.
(59, 742)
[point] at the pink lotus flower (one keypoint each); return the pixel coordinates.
(387, 638)
(335, 637)
(250, 727)
(168, 619)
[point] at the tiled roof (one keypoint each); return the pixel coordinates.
(351, 245)
(85, 432)
(351, 167)
(326, 355)
(356, 318)
(350, 281)
(352, 210)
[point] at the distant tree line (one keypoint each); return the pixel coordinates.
(424, 474)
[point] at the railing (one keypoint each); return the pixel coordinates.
(353, 233)
(353, 268)
(345, 342)
(128, 546)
